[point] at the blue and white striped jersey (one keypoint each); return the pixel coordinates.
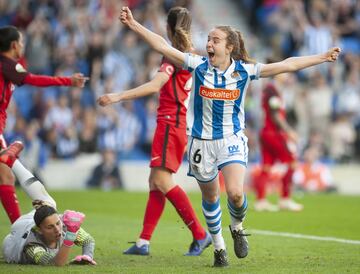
(216, 105)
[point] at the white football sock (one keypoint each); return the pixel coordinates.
(218, 241)
(33, 188)
(140, 242)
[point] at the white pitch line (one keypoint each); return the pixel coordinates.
(302, 236)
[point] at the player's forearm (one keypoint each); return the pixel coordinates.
(159, 44)
(297, 63)
(86, 241)
(292, 64)
(140, 91)
(40, 256)
(62, 256)
(46, 81)
(154, 40)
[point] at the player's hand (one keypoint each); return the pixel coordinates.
(332, 54)
(126, 17)
(73, 220)
(292, 135)
(78, 80)
(107, 99)
(83, 260)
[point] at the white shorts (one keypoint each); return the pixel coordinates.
(14, 242)
(207, 157)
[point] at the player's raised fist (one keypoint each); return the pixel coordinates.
(333, 54)
(126, 16)
(78, 80)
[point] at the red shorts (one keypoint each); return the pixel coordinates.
(168, 147)
(275, 147)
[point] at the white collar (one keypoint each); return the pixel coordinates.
(227, 72)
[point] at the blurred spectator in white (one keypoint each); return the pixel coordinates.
(128, 129)
(38, 45)
(319, 102)
(59, 116)
(342, 138)
(106, 175)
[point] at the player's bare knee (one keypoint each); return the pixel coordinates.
(236, 199)
(7, 178)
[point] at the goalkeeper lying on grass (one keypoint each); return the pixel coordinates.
(43, 236)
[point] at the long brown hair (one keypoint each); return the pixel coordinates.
(234, 38)
(179, 22)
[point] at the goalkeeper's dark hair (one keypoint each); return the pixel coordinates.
(8, 34)
(42, 211)
(179, 22)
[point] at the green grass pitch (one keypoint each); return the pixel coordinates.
(114, 218)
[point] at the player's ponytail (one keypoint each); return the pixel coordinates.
(234, 38)
(179, 23)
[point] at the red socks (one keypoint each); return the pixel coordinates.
(9, 200)
(154, 209)
(286, 183)
(260, 185)
(182, 204)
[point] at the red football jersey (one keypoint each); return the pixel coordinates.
(11, 73)
(272, 101)
(173, 95)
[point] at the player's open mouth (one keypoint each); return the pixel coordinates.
(211, 55)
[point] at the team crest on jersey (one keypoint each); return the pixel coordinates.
(236, 75)
(219, 93)
(20, 68)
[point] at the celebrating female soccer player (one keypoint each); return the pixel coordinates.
(43, 236)
(170, 140)
(13, 73)
(215, 119)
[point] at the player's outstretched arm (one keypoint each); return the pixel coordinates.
(146, 89)
(297, 63)
(155, 41)
(76, 80)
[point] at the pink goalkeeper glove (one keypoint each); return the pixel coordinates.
(72, 220)
(83, 259)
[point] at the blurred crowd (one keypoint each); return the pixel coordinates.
(63, 37)
(323, 103)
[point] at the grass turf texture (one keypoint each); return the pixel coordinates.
(114, 218)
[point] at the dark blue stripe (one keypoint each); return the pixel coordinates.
(232, 162)
(213, 224)
(218, 110)
(197, 127)
(238, 210)
(210, 207)
(215, 232)
(212, 217)
(188, 156)
(241, 86)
